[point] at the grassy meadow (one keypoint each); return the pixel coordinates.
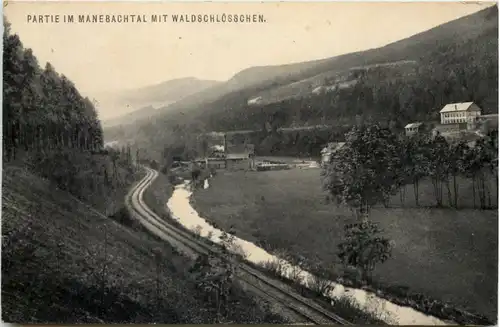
(446, 254)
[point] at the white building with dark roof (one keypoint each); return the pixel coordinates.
(328, 151)
(413, 128)
(456, 113)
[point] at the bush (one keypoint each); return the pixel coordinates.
(295, 271)
(273, 266)
(363, 248)
(197, 230)
(59, 166)
(319, 285)
(347, 307)
(173, 179)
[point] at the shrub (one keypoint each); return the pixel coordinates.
(362, 247)
(197, 230)
(295, 271)
(319, 285)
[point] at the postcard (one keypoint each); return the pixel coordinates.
(250, 163)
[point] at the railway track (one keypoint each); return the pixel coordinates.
(262, 285)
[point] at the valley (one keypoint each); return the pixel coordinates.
(441, 223)
(361, 188)
(286, 213)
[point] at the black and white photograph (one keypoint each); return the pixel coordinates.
(289, 163)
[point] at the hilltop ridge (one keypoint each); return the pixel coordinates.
(403, 81)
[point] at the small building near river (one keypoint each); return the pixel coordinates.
(328, 151)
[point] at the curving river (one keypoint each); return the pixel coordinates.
(182, 211)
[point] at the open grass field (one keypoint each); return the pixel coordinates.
(445, 254)
(65, 262)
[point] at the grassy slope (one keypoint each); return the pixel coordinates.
(445, 254)
(86, 174)
(53, 260)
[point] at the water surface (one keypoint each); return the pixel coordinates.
(182, 211)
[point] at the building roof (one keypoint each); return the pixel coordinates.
(217, 147)
(453, 107)
(411, 125)
(332, 147)
(233, 156)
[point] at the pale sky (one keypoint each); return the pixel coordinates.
(103, 57)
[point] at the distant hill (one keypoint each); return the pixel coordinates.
(254, 81)
(150, 97)
(131, 117)
(403, 81)
(171, 91)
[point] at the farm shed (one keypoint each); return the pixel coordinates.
(413, 128)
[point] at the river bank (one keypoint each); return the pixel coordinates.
(289, 215)
(180, 207)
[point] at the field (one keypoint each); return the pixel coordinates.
(64, 262)
(445, 254)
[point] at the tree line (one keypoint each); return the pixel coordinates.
(55, 132)
(376, 164)
(42, 110)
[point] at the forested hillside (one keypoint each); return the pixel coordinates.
(42, 110)
(50, 129)
(454, 62)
